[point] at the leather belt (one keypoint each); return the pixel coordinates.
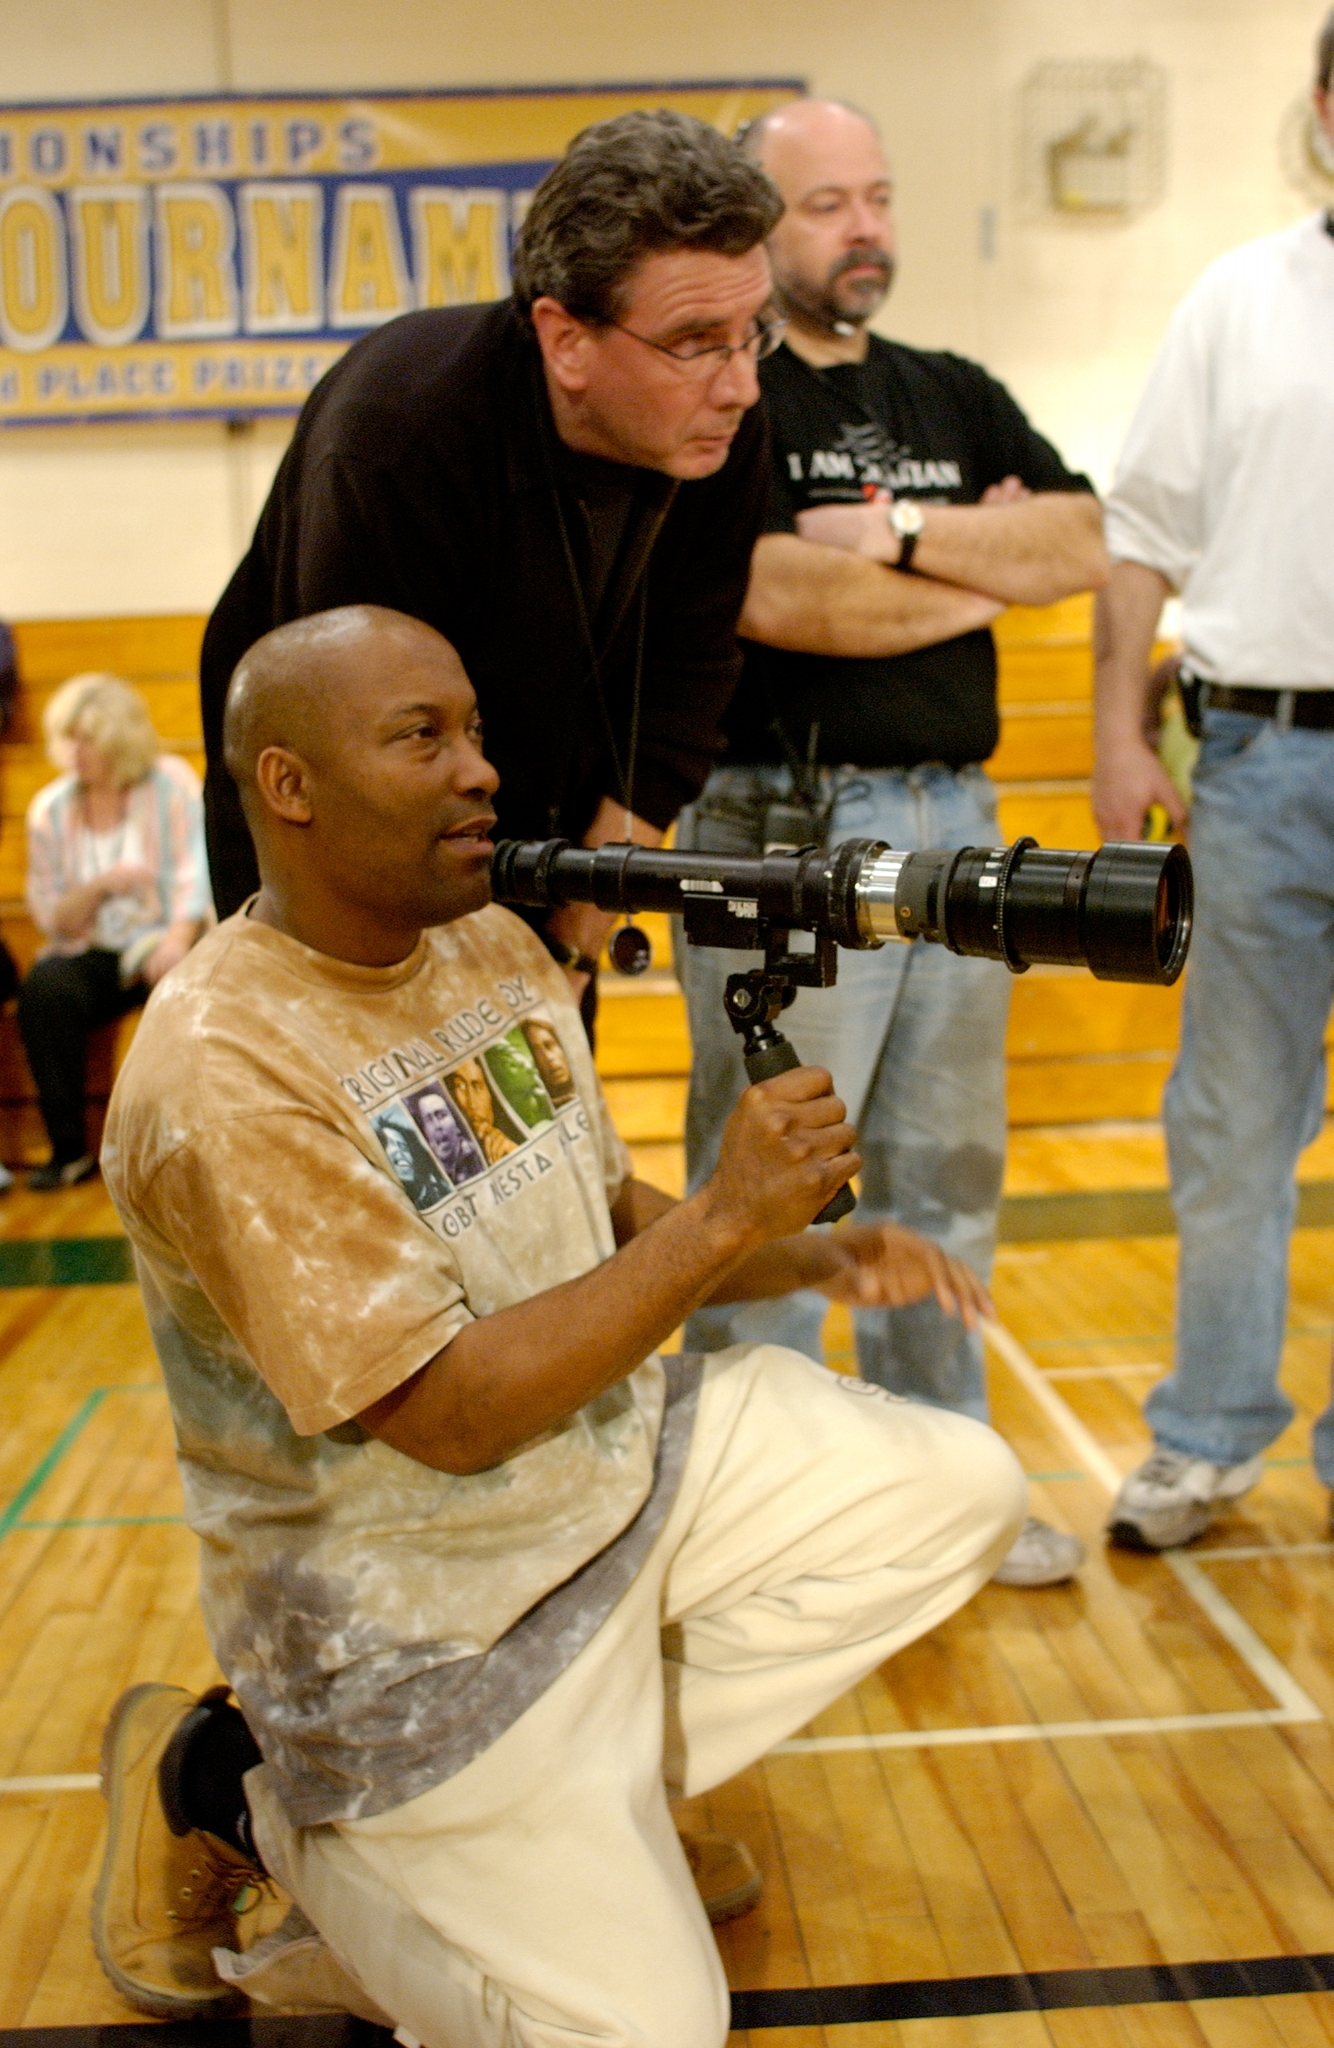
(1308, 707)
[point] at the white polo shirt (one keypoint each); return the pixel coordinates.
(1226, 481)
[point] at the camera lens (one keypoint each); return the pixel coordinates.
(1123, 912)
(1138, 904)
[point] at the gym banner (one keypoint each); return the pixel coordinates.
(212, 257)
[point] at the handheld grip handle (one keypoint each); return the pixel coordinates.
(779, 1057)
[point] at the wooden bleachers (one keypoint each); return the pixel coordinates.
(1079, 1050)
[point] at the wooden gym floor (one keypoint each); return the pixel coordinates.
(1006, 1838)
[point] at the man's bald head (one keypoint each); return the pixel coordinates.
(296, 687)
(803, 120)
(833, 250)
(354, 741)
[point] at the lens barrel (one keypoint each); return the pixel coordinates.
(1123, 912)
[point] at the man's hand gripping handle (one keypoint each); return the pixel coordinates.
(779, 1057)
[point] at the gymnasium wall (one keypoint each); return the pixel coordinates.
(150, 519)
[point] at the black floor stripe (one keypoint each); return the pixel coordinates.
(842, 2005)
(820, 2005)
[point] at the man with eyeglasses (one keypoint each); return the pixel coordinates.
(911, 502)
(567, 484)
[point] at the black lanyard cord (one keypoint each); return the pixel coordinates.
(624, 775)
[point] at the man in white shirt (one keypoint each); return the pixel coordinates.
(1223, 494)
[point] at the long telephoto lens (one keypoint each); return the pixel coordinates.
(1123, 912)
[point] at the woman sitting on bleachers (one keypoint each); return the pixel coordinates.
(118, 882)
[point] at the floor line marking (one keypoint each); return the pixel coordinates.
(1088, 1451)
(36, 1480)
(898, 1738)
(1259, 1659)
(1121, 1338)
(1127, 1985)
(102, 1522)
(1100, 1372)
(32, 1486)
(1256, 1654)
(1252, 1550)
(1041, 1731)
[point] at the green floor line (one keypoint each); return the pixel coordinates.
(66, 1262)
(104, 1522)
(1127, 1212)
(1024, 1219)
(36, 1480)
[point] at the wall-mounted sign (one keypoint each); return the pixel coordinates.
(187, 257)
(1094, 138)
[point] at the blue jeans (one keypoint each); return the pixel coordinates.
(1247, 1092)
(915, 1040)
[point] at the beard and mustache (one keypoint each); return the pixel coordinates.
(834, 304)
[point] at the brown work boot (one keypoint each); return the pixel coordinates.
(724, 1873)
(163, 1901)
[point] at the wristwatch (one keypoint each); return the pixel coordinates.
(907, 518)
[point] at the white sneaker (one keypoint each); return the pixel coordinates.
(6, 1180)
(1040, 1556)
(1173, 1498)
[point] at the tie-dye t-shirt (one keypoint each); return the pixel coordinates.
(326, 1172)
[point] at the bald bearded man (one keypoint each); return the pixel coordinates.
(449, 1493)
(911, 501)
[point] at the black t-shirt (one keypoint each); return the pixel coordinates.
(924, 425)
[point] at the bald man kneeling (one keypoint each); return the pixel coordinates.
(491, 1580)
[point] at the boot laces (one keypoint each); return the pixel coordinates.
(218, 1881)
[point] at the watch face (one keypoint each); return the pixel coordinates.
(906, 516)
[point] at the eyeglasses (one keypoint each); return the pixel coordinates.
(709, 360)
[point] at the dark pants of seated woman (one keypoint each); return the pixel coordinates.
(62, 999)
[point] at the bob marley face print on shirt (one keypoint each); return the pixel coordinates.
(423, 1182)
(492, 1124)
(445, 1132)
(552, 1065)
(511, 1068)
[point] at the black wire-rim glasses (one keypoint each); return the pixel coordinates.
(765, 339)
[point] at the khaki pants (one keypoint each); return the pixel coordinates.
(540, 1898)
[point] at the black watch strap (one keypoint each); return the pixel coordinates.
(565, 956)
(907, 549)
